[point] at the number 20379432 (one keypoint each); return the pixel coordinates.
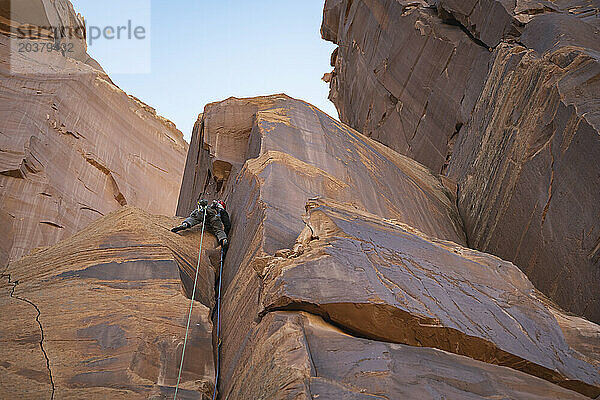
(35, 47)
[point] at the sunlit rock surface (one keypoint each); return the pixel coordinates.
(73, 146)
(103, 314)
(503, 98)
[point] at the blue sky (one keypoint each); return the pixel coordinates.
(202, 51)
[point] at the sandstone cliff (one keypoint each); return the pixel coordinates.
(503, 98)
(332, 297)
(349, 274)
(349, 300)
(48, 20)
(73, 146)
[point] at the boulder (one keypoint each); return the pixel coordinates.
(299, 355)
(381, 280)
(103, 314)
(496, 21)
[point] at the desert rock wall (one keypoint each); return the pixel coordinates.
(426, 250)
(346, 276)
(301, 316)
(502, 97)
(74, 147)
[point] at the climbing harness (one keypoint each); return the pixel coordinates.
(219, 327)
(191, 302)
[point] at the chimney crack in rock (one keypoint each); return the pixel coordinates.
(452, 20)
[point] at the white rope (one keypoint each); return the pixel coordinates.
(191, 305)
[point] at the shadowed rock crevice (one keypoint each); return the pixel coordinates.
(414, 332)
(449, 19)
(112, 182)
(299, 353)
(52, 224)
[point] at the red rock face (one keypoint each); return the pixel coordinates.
(360, 291)
(501, 97)
(103, 313)
(347, 274)
(320, 296)
(402, 76)
(74, 147)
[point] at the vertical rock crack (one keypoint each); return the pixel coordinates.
(37, 319)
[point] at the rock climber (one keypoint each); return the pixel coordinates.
(217, 221)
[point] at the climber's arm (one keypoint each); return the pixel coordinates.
(226, 221)
(193, 219)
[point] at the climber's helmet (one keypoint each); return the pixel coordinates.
(221, 204)
(218, 205)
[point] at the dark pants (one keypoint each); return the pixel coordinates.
(213, 222)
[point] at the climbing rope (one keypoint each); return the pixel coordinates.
(218, 327)
(191, 305)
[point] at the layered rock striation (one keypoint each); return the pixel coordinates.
(73, 146)
(501, 97)
(103, 314)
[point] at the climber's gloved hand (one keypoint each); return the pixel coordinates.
(177, 228)
(203, 203)
(180, 227)
(224, 244)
